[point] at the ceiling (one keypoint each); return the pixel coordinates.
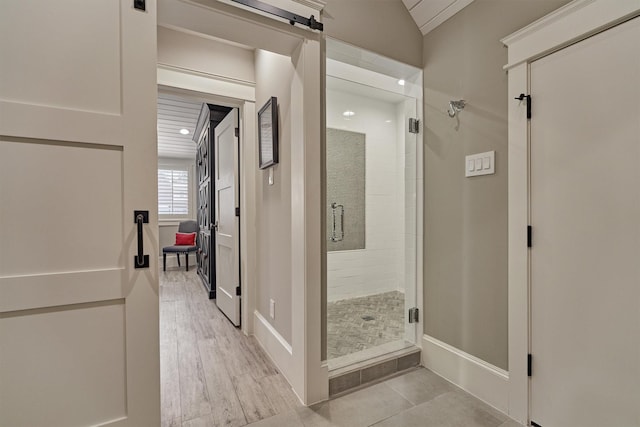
(428, 14)
(175, 113)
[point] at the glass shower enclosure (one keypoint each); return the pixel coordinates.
(371, 213)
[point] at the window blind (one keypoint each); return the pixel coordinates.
(173, 191)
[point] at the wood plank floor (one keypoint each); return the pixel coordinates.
(211, 373)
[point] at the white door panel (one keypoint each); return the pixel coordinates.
(65, 350)
(227, 232)
(78, 324)
(585, 213)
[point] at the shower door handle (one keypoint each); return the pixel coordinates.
(334, 231)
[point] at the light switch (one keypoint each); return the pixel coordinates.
(486, 162)
(480, 164)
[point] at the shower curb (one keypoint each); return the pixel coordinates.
(354, 376)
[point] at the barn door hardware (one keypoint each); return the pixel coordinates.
(140, 260)
(291, 17)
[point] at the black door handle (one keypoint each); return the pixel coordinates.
(140, 260)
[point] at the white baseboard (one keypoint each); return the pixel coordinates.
(276, 347)
(483, 380)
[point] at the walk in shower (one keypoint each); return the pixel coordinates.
(371, 181)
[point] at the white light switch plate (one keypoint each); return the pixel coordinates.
(480, 164)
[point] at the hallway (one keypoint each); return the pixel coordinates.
(213, 375)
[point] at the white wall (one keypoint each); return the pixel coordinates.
(368, 24)
(274, 74)
(198, 53)
(379, 267)
(466, 245)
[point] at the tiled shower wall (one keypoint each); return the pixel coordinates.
(382, 265)
(346, 187)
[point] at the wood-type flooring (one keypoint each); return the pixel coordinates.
(212, 374)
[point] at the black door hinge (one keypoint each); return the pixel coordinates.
(414, 125)
(237, 211)
(528, 99)
(414, 315)
(237, 132)
(529, 365)
(529, 236)
(238, 292)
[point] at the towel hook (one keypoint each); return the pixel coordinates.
(455, 107)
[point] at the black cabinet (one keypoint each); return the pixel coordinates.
(210, 116)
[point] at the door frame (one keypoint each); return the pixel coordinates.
(300, 360)
(246, 110)
(569, 24)
(415, 92)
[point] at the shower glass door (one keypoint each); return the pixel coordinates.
(371, 178)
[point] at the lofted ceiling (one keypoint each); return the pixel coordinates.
(175, 113)
(428, 14)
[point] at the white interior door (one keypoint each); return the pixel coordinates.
(78, 324)
(227, 223)
(585, 213)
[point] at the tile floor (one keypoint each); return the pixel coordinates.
(358, 324)
(416, 398)
(213, 375)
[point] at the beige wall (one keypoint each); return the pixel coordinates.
(465, 250)
(274, 74)
(381, 26)
(196, 53)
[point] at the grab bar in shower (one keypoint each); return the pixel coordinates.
(334, 231)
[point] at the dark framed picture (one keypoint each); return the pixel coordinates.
(268, 133)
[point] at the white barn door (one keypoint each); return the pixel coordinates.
(78, 323)
(585, 213)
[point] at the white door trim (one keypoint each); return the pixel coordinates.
(573, 22)
(234, 95)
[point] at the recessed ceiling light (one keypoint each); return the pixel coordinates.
(401, 82)
(348, 113)
(184, 131)
(387, 121)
